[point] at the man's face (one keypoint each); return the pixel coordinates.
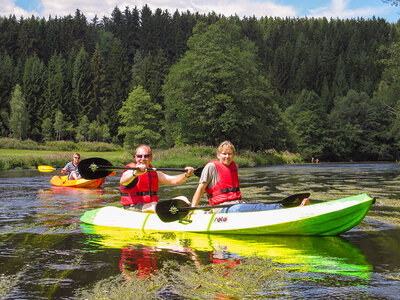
(75, 159)
(143, 156)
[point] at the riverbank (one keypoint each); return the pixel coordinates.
(20, 155)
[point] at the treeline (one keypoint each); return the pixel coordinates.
(324, 88)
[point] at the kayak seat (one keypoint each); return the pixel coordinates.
(305, 202)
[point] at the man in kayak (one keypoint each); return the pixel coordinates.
(139, 187)
(72, 168)
(219, 179)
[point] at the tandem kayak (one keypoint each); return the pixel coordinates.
(325, 218)
(78, 183)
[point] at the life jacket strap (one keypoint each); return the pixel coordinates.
(224, 191)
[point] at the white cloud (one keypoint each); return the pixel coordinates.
(8, 7)
(339, 9)
(91, 8)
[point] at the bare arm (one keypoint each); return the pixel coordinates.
(176, 179)
(199, 192)
(128, 176)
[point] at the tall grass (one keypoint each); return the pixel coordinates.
(10, 143)
(252, 278)
(57, 154)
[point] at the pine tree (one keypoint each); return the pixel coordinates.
(55, 89)
(119, 79)
(98, 94)
(81, 83)
(19, 117)
(34, 86)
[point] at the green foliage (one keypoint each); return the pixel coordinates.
(55, 89)
(81, 83)
(118, 288)
(82, 130)
(33, 87)
(251, 278)
(139, 119)
(308, 116)
(358, 128)
(254, 277)
(47, 129)
(10, 143)
(97, 109)
(216, 92)
(19, 117)
(59, 125)
(229, 78)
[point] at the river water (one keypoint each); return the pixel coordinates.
(45, 252)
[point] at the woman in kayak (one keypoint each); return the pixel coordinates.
(220, 180)
(139, 187)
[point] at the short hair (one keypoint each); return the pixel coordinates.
(226, 144)
(144, 146)
(77, 154)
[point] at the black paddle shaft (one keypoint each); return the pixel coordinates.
(176, 209)
(94, 168)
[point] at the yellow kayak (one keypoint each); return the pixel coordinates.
(78, 183)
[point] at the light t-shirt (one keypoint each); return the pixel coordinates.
(209, 175)
(70, 167)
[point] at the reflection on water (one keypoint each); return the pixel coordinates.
(331, 255)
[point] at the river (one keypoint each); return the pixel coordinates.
(45, 252)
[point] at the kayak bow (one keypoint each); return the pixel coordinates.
(78, 183)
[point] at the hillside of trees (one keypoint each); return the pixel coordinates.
(323, 88)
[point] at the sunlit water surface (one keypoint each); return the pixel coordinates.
(43, 242)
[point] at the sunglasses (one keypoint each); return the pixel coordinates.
(144, 156)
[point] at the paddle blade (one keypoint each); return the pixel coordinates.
(294, 200)
(198, 171)
(88, 168)
(46, 168)
(168, 211)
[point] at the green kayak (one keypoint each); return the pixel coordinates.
(325, 218)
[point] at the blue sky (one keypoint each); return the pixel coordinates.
(276, 8)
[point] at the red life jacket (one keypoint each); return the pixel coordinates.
(227, 187)
(145, 191)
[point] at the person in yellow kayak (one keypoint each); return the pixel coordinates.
(71, 168)
(139, 187)
(220, 180)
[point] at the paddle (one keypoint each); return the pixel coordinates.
(46, 169)
(93, 168)
(176, 209)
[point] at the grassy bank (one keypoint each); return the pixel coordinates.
(28, 155)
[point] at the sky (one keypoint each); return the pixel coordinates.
(342, 9)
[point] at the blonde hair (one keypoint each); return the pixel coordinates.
(226, 144)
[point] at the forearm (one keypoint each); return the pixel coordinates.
(197, 195)
(128, 177)
(173, 180)
(181, 178)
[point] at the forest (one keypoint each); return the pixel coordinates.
(322, 88)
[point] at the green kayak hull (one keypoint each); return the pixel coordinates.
(325, 218)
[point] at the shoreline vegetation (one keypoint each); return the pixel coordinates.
(16, 154)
